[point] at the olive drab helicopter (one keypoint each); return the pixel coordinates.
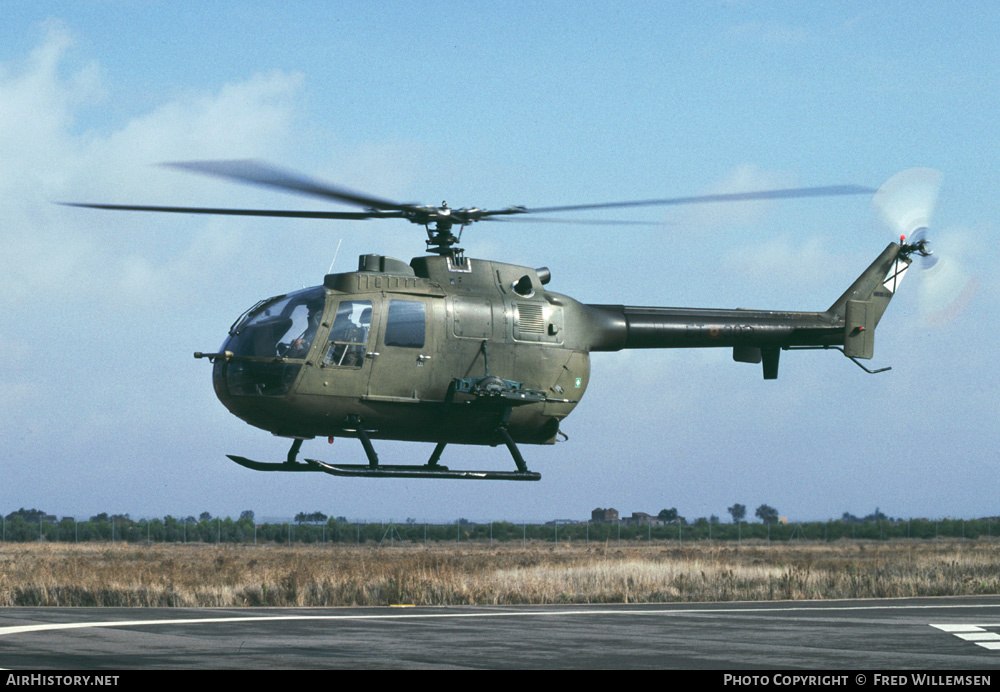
(449, 349)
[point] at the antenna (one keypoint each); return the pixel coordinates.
(335, 253)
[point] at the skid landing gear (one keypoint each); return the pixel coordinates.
(425, 471)
(290, 464)
(373, 469)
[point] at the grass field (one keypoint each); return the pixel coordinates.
(56, 574)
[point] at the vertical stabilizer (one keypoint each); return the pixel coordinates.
(863, 304)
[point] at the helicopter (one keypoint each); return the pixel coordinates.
(455, 350)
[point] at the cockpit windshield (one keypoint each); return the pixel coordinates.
(279, 332)
(283, 327)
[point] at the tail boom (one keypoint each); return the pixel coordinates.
(758, 335)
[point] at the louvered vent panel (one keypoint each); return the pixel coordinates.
(530, 319)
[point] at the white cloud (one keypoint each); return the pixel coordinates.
(733, 215)
(245, 119)
(57, 251)
(37, 104)
(97, 308)
(781, 260)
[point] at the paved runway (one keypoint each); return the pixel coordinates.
(923, 634)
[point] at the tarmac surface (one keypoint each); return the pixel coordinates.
(889, 635)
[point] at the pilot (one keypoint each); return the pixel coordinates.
(364, 323)
(300, 346)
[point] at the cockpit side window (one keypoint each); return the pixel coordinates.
(349, 334)
(406, 325)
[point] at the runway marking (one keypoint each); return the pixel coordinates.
(977, 634)
(631, 611)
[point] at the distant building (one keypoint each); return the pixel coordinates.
(604, 516)
(642, 519)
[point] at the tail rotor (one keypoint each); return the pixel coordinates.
(906, 204)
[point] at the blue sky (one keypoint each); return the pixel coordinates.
(493, 104)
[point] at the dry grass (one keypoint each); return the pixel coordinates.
(209, 575)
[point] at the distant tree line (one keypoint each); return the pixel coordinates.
(766, 513)
(315, 527)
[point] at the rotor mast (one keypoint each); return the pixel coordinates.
(440, 239)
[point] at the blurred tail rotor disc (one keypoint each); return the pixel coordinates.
(906, 204)
(906, 200)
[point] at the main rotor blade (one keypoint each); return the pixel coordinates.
(581, 222)
(827, 191)
(266, 175)
(356, 215)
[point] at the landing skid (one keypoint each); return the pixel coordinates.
(272, 466)
(290, 464)
(425, 471)
(375, 470)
